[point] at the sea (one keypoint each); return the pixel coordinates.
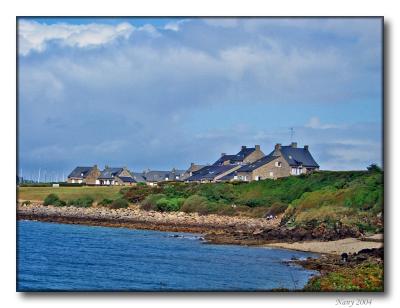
(66, 257)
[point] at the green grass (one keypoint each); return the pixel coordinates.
(69, 193)
(365, 277)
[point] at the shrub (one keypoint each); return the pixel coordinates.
(27, 202)
(277, 208)
(85, 201)
(197, 204)
(169, 204)
(138, 193)
(105, 202)
(150, 202)
(119, 204)
(60, 203)
(50, 199)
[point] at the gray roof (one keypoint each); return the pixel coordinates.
(127, 179)
(239, 157)
(298, 156)
(257, 164)
(210, 172)
(138, 177)
(110, 173)
(159, 176)
(80, 172)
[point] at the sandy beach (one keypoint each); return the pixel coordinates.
(348, 245)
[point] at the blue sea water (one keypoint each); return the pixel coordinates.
(62, 257)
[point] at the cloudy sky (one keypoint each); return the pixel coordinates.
(161, 93)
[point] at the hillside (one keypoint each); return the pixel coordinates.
(336, 199)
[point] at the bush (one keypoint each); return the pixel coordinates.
(197, 204)
(150, 202)
(138, 193)
(119, 204)
(277, 208)
(51, 199)
(27, 202)
(60, 203)
(86, 201)
(105, 202)
(169, 204)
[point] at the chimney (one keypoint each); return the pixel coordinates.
(95, 166)
(257, 147)
(306, 147)
(294, 144)
(277, 146)
(191, 164)
(223, 154)
(243, 147)
(106, 167)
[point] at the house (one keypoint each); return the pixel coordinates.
(138, 177)
(244, 156)
(84, 175)
(153, 177)
(300, 160)
(283, 161)
(115, 176)
(191, 170)
(226, 164)
(212, 173)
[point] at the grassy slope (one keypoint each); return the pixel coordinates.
(69, 193)
(364, 277)
(345, 198)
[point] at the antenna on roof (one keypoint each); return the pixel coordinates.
(291, 134)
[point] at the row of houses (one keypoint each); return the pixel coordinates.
(249, 164)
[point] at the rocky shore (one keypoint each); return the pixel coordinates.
(362, 251)
(135, 218)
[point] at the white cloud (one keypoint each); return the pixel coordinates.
(34, 36)
(315, 123)
(175, 25)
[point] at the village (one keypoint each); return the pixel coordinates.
(249, 164)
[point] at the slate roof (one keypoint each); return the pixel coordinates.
(244, 152)
(298, 156)
(159, 176)
(80, 172)
(110, 173)
(138, 177)
(257, 164)
(239, 157)
(210, 172)
(127, 179)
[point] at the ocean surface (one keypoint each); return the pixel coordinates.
(62, 257)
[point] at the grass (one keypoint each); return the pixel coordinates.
(365, 277)
(69, 193)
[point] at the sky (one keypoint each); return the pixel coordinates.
(160, 93)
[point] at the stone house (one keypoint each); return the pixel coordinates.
(84, 175)
(153, 177)
(283, 161)
(116, 176)
(226, 164)
(193, 168)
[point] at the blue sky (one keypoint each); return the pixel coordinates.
(160, 93)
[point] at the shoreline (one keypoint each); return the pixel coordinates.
(215, 228)
(134, 218)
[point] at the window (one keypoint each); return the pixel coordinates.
(271, 174)
(278, 164)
